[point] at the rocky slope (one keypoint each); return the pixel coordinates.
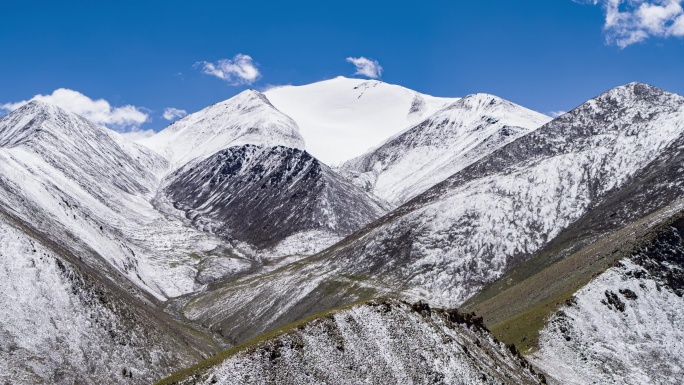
(378, 342)
(487, 218)
(441, 145)
(64, 322)
(270, 197)
(625, 325)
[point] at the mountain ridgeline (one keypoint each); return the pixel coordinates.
(257, 228)
(444, 143)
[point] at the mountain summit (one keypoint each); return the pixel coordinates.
(342, 118)
(439, 146)
(247, 118)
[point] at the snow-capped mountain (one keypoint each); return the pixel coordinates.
(467, 231)
(60, 139)
(72, 179)
(271, 197)
(342, 118)
(80, 281)
(379, 342)
(485, 219)
(444, 143)
(247, 118)
(128, 262)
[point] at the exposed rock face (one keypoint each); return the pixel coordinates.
(264, 195)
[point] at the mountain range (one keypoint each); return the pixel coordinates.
(326, 233)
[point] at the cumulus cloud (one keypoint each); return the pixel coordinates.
(366, 67)
(98, 111)
(555, 114)
(171, 113)
(240, 70)
(633, 21)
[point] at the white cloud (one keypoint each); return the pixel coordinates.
(555, 114)
(171, 113)
(366, 67)
(97, 111)
(240, 70)
(137, 135)
(269, 87)
(633, 21)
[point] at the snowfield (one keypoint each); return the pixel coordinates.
(342, 118)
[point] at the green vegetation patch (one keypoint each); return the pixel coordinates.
(517, 306)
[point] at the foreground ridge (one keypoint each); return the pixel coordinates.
(379, 342)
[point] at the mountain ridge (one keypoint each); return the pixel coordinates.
(92, 236)
(445, 142)
(247, 118)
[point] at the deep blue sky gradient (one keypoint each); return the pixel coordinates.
(547, 55)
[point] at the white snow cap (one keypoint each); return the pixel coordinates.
(342, 118)
(247, 118)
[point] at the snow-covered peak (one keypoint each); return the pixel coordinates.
(623, 113)
(342, 118)
(79, 147)
(441, 145)
(247, 118)
(632, 89)
(31, 119)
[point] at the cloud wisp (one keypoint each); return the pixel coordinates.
(98, 111)
(633, 21)
(171, 113)
(366, 67)
(237, 71)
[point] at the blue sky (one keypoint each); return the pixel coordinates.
(548, 55)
